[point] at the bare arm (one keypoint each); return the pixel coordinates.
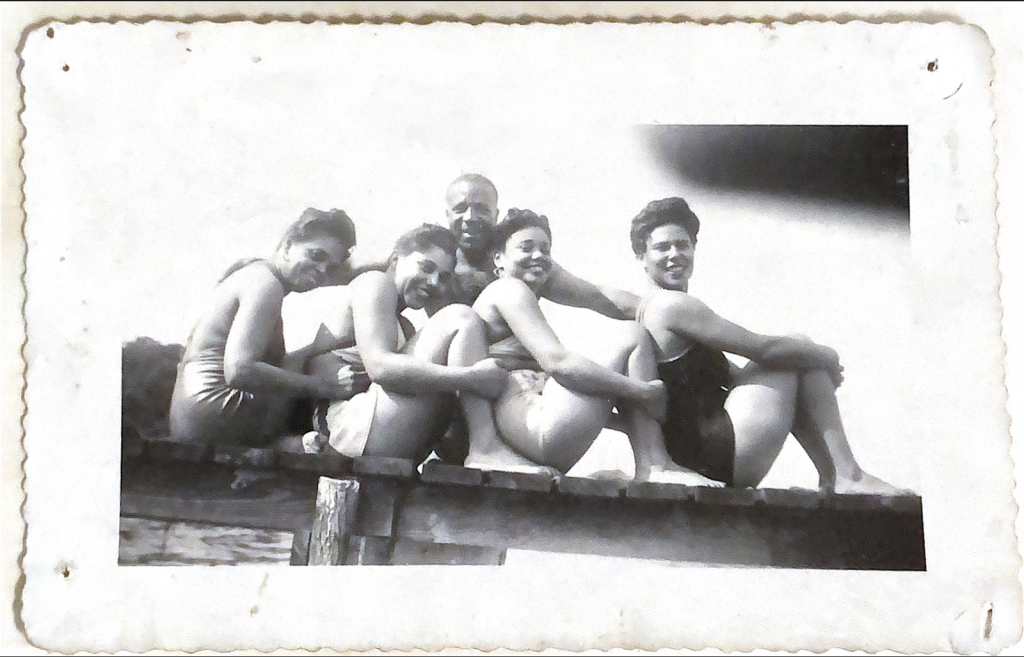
(259, 312)
(691, 318)
(519, 308)
(374, 300)
(570, 290)
(335, 332)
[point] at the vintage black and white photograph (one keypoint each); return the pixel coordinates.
(448, 419)
(509, 303)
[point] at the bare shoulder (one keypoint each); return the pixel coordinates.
(506, 289)
(673, 299)
(667, 306)
(370, 282)
(253, 280)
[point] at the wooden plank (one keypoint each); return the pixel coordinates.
(782, 528)
(164, 450)
(785, 497)
(583, 487)
(300, 546)
(902, 503)
(381, 466)
(369, 551)
(520, 481)
(377, 504)
(332, 525)
(418, 553)
(236, 456)
(271, 508)
(203, 493)
(649, 490)
(328, 464)
(436, 472)
(156, 543)
(688, 531)
(726, 496)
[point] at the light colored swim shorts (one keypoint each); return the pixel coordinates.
(347, 423)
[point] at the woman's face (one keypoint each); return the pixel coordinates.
(309, 263)
(526, 256)
(668, 258)
(423, 276)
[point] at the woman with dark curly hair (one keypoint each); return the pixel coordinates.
(235, 383)
(725, 422)
(556, 402)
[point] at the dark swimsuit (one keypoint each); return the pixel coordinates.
(204, 408)
(698, 432)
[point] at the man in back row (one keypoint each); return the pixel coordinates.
(472, 209)
(471, 205)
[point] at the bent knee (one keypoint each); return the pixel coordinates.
(457, 316)
(633, 334)
(755, 374)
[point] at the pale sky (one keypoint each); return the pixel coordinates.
(204, 149)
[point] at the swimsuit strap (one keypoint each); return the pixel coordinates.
(245, 262)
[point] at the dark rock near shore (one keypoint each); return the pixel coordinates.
(148, 370)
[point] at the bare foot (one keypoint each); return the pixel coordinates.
(866, 484)
(313, 442)
(677, 475)
(510, 465)
(545, 470)
(609, 475)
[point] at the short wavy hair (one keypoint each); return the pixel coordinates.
(424, 237)
(328, 223)
(516, 220)
(673, 210)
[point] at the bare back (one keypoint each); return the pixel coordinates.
(211, 333)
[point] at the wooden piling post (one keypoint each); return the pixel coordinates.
(332, 523)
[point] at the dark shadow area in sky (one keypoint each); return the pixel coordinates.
(863, 164)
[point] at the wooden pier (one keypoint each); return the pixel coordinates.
(375, 511)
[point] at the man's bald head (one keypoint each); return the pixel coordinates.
(472, 208)
(474, 181)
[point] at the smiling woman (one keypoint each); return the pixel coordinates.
(556, 402)
(235, 382)
(414, 377)
(725, 422)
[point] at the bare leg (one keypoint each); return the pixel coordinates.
(814, 445)
(762, 409)
(651, 459)
(403, 424)
(487, 451)
(560, 426)
(819, 413)
(556, 429)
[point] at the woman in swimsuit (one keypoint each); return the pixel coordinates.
(417, 377)
(725, 422)
(235, 383)
(557, 402)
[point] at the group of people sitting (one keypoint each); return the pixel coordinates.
(485, 382)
